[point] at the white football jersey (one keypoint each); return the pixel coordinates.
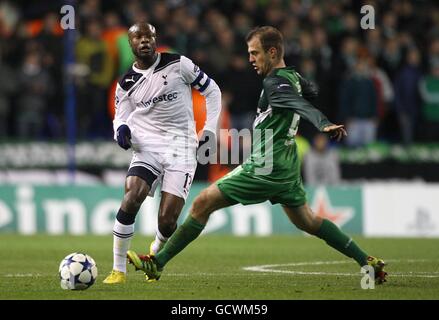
(156, 103)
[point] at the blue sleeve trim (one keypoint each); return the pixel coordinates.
(205, 85)
(197, 80)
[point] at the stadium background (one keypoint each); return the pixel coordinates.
(56, 104)
(62, 174)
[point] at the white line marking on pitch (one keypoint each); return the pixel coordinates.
(21, 275)
(269, 268)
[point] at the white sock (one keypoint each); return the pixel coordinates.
(122, 235)
(159, 242)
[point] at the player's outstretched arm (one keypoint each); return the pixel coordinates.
(282, 94)
(336, 131)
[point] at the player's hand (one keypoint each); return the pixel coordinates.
(124, 137)
(336, 131)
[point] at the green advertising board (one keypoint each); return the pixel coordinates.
(28, 209)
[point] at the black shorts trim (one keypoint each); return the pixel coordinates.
(142, 173)
(147, 166)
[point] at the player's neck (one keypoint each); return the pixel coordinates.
(146, 63)
(279, 64)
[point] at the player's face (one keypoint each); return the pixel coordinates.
(142, 38)
(259, 59)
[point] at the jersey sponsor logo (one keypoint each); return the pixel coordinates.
(130, 80)
(164, 97)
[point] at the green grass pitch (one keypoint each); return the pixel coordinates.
(224, 267)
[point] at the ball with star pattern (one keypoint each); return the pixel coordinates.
(77, 271)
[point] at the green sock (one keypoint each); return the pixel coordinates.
(185, 234)
(341, 242)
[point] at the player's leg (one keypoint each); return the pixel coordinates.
(305, 220)
(176, 184)
(303, 217)
(137, 186)
(169, 211)
(208, 201)
(236, 187)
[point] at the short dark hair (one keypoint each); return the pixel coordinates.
(270, 37)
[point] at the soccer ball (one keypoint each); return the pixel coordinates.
(77, 271)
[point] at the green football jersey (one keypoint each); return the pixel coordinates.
(281, 106)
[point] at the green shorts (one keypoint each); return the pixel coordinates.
(246, 188)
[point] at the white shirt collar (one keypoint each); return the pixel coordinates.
(152, 67)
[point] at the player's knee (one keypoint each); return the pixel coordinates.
(200, 206)
(133, 199)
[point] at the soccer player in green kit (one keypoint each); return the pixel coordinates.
(282, 103)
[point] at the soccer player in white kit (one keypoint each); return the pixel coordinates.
(154, 117)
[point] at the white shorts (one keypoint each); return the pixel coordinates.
(174, 172)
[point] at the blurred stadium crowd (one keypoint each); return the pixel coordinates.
(382, 83)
